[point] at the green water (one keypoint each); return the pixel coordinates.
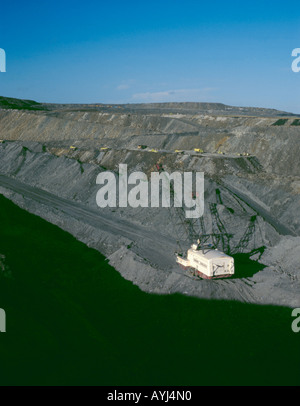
(73, 320)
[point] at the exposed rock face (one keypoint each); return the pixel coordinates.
(252, 187)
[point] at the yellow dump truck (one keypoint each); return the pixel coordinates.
(153, 150)
(198, 150)
(72, 147)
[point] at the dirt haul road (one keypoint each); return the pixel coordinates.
(158, 249)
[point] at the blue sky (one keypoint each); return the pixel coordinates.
(233, 52)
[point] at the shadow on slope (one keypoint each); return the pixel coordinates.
(73, 320)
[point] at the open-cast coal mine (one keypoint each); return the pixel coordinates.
(51, 156)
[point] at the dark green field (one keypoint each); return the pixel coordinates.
(18, 104)
(73, 320)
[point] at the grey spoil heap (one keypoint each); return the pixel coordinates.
(50, 156)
